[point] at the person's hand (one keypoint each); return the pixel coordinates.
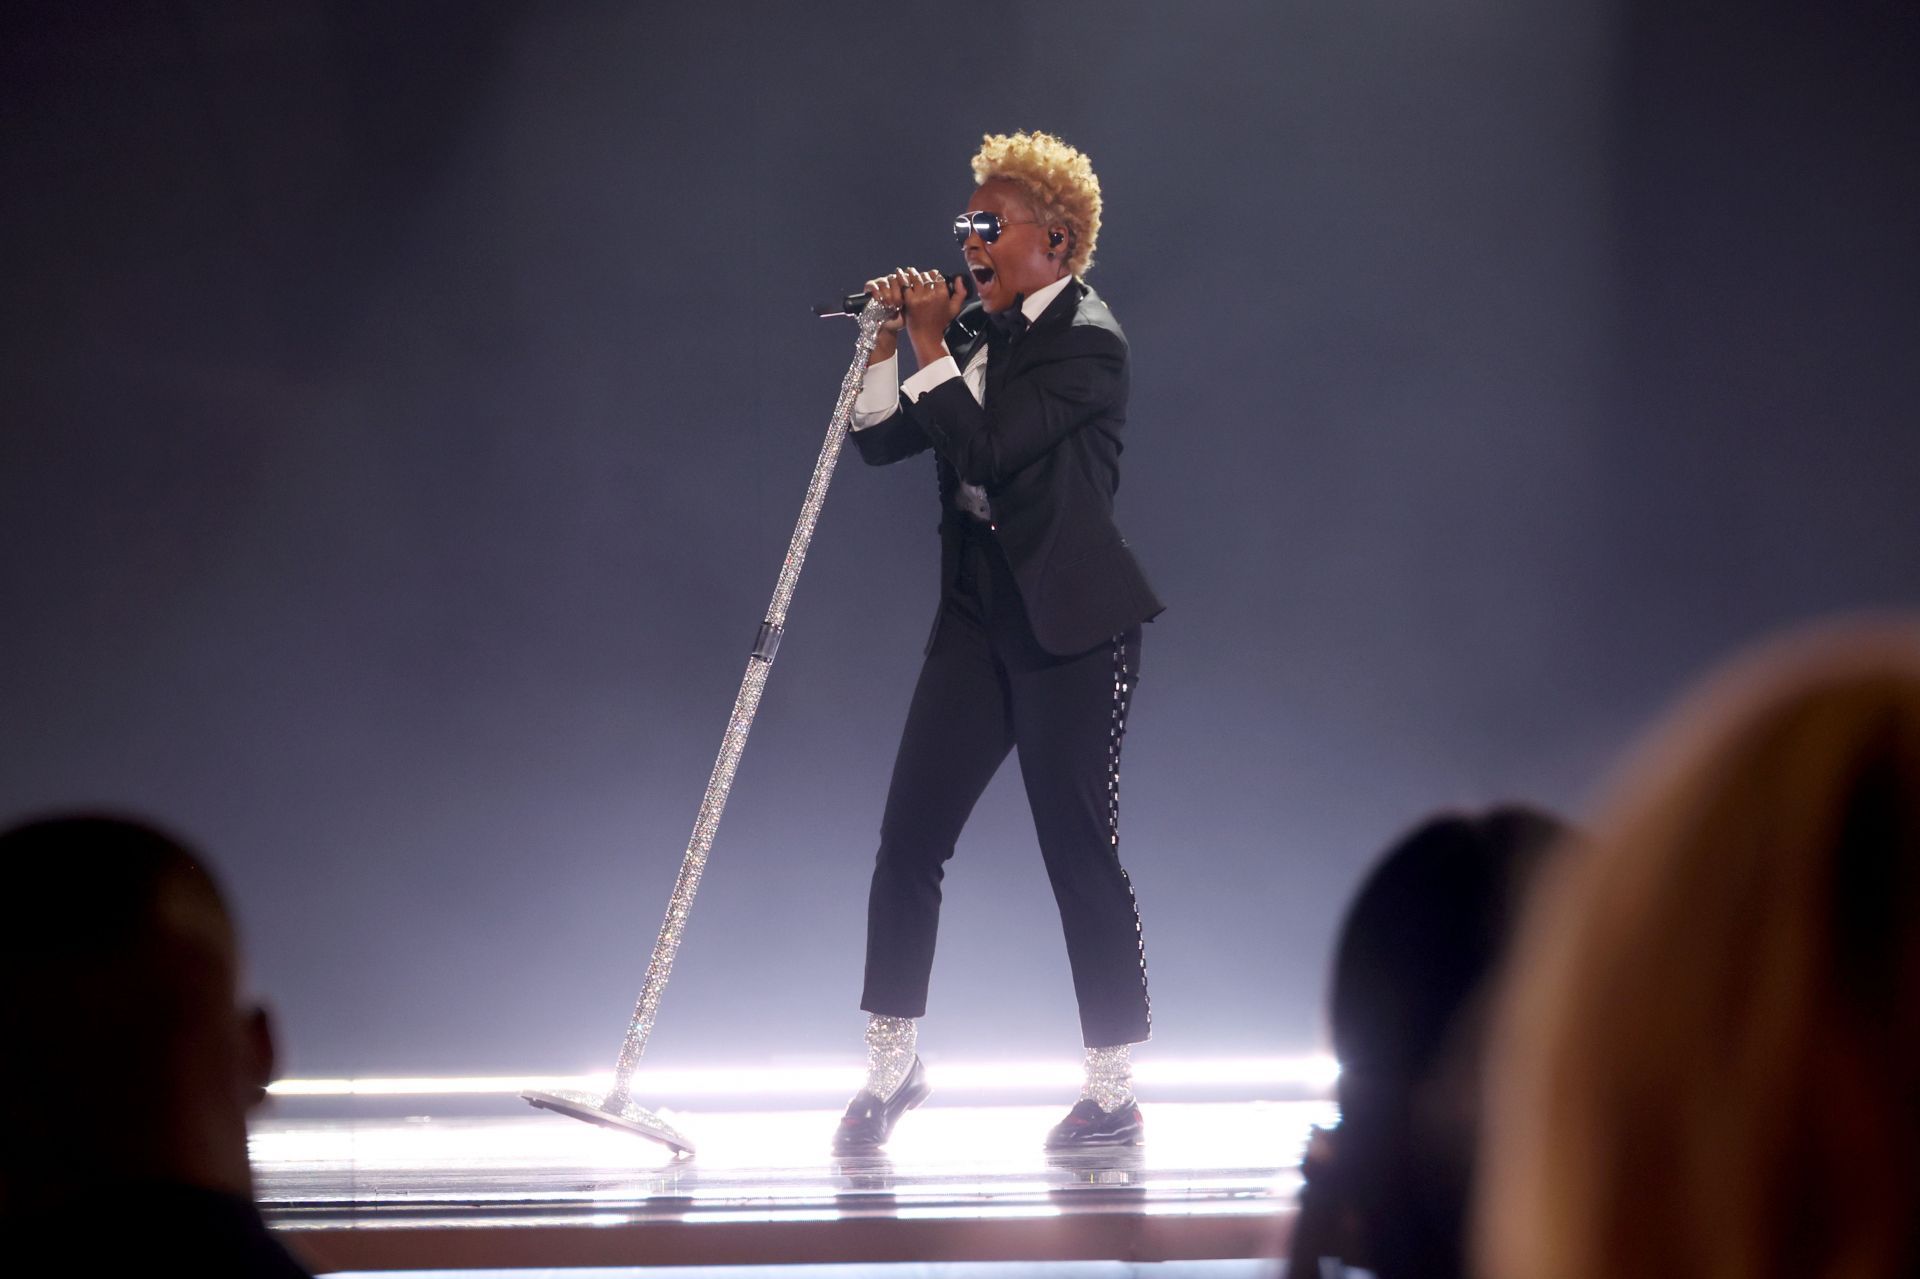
(890, 290)
(931, 303)
(926, 302)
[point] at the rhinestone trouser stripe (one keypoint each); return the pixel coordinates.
(1116, 737)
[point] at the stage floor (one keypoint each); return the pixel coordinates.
(959, 1183)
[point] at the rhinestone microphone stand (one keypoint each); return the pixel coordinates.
(617, 1109)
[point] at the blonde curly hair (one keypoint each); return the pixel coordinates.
(1058, 180)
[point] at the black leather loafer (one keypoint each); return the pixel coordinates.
(1088, 1125)
(869, 1121)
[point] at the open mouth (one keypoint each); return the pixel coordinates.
(982, 275)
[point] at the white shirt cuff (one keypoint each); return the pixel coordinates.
(879, 397)
(931, 376)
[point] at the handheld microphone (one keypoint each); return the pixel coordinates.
(855, 303)
(852, 304)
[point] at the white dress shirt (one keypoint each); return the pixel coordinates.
(880, 389)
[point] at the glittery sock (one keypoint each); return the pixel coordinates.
(890, 1043)
(1110, 1077)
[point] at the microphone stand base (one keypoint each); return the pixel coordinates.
(592, 1108)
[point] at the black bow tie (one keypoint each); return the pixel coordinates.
(1012, 322)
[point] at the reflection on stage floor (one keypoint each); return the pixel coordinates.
(958, 1183)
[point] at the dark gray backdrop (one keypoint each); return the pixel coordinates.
(404, 409)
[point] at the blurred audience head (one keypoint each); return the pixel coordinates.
(125, 1054)
(1709, 1062)
(1388, 1189)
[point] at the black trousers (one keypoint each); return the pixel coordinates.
(987, 687)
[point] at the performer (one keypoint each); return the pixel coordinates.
(1021, 396)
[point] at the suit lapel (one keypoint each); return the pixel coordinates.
(967, 334)
(972, 329)
(1053, 320)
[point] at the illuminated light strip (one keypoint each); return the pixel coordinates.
(767, 1215)
(1248, 1207)
(434, 1085)
(993, 1212)
(1311, 1072)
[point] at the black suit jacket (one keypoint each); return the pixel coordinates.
(1046, 448)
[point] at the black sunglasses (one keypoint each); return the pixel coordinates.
(985, 225)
